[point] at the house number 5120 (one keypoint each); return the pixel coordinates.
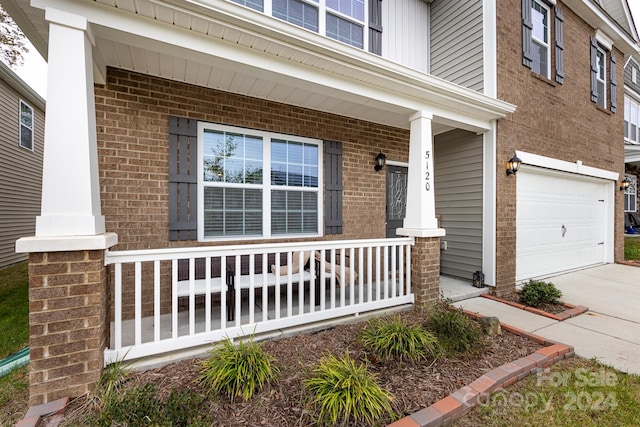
(427, 174)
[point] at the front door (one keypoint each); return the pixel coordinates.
(396, 198)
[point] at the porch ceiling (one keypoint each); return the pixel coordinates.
(221, 45)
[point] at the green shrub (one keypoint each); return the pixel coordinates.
(536, 292)
(182, 408)
(344, 391)
(456, 332)
(392, 338)
(237, 371)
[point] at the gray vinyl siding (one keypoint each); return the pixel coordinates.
(457, 42)
(627, 76)
(20, 172)
(458, 197)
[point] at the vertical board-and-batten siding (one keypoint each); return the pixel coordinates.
(405, 33)
(628, 73)
(457, 42)
(20, 174)
(458, 186)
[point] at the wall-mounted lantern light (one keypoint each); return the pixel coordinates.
(381, 160)
(624, 184)
(513, 165)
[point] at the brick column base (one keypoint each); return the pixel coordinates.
(68, 323)
(425, 271)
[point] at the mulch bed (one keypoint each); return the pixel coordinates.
(413, 385)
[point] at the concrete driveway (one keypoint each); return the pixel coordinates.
(609, 331)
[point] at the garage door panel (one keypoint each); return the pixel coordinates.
(560, 222)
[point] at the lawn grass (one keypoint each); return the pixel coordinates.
(573, 392)
(14, 330)
(14, 309)
(631, 248)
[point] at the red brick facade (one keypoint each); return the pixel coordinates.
(552, 120)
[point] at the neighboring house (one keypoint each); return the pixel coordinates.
(207, 136)
(21, 147)
(632, 133)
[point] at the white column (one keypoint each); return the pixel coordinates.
(70, 187)
(420, 220)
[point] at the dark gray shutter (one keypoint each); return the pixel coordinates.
(613, 82)
(375, 26)
(183, 183)
(594, 69)
(527, 30)
(559, 46)
(332, 187)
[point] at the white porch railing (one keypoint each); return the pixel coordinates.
(174, 299)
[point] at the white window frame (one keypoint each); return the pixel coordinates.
(602, 97)
(266, 185)
(545, 73)
(631, 192)
(634, 75)
(321, 5)
(31, 128)
(631, 104)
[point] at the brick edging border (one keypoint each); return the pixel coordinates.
(572, 310)
(468, 397)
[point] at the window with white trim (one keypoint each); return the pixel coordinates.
(342, 20)
(631, 120)
(601, 76)
(540, 36)
(26, 126)
(255, 184)
(631, 194)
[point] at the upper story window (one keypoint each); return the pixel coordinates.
(540, 39)
(342, 20)
(631, 194)
(603, 73)
(26, 126)
(631, 120)
(255, 184)
(634, 75)
(542, 48)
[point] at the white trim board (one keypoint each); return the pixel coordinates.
(561, 165)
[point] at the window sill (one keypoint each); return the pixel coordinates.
(604, 110)
(544, 79)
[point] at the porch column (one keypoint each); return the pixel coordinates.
(70, 188)
(68, 304)
(420, 221)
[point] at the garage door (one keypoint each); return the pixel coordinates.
(561, 221)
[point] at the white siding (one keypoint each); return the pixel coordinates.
(405, 33)
(458, 185)
(20, 175)
(456, 42)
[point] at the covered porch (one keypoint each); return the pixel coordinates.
(128, 283)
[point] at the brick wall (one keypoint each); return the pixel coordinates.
(132, 113)
(67, 317)
(425, 270)
(552, 120)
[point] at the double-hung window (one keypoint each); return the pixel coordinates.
(603, 72)
(26, 126)
(631, 120)
(540, 37)
(543, 39)
(255, 184)
(342, 20)
(631, 194)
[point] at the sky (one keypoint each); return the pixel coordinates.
(34, 70)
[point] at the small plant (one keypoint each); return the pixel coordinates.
(137, 406)
(237, 371)
(535, 292)
(455, 331)
(391, 338)
(343, 390)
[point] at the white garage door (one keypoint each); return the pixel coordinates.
(561, 221)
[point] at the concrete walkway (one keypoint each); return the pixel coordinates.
(608, 332)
